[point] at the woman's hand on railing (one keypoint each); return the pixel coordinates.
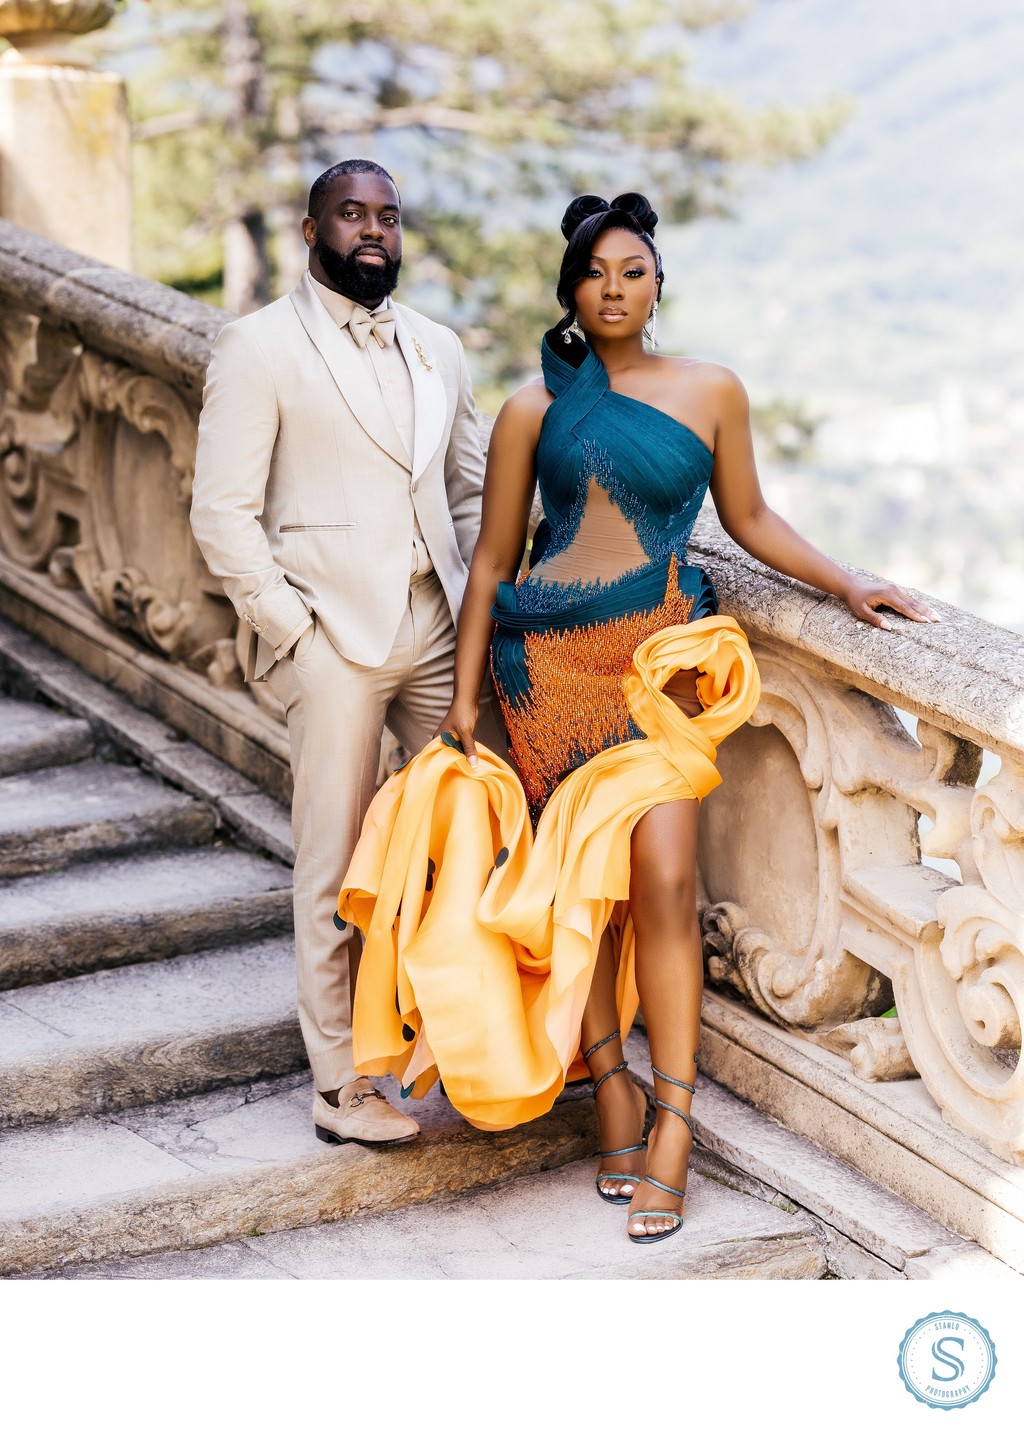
(864, 597)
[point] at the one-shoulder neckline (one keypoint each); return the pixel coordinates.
(592, 358)
(679, 423)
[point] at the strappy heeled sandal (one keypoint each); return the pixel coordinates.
(676, 1217)
(617, 1198)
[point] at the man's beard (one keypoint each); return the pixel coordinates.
(366, 284)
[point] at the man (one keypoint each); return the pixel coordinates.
(337, 494)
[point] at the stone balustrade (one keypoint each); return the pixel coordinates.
(823, 908)
(819, 905)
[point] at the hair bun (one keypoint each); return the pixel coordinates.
(638, 207)
(580, 209)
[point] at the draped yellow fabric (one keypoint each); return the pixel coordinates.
(481, 936)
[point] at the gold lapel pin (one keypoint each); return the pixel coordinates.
(420, 355)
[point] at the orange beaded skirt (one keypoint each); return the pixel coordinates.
(560, 657)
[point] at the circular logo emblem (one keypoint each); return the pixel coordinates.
(947, 1359)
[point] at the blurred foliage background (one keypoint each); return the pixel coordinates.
(490, 116)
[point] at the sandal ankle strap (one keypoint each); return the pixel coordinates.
(665, 1188)
(678, 1112)
(666, 1079)
(619, 1068)
(594, 1047)
(678, 1083)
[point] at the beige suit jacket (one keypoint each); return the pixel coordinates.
(304, 493)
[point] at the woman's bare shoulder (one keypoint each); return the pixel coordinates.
(724, 383)
(526, 406)
(711, 375)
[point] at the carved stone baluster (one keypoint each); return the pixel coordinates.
(961, 1000)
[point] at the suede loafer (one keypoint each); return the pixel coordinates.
(363, 1115)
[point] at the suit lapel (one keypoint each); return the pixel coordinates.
(429, 397)
(355, 380)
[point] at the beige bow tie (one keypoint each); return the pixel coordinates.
(381, 326)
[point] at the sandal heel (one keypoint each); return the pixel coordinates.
(676, 1217)
(618, 1199)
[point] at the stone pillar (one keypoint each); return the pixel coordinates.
(65, 139)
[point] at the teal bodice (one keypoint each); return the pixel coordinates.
(562, 645)
(654, 468)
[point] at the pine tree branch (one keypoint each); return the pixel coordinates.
(157, 125)
(404, 117)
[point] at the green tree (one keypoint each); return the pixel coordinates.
(489, 114)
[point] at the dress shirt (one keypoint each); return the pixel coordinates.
(394, 381)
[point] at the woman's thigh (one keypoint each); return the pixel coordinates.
(663, 859)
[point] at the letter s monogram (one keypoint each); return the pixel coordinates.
(940, 1355)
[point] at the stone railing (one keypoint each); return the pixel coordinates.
(102, 374)
(820, 910)
(818, 906)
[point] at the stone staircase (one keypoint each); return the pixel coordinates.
(154, 1098)
(153, 1085)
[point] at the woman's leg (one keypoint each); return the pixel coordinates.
(670, 980)
(620, 1103)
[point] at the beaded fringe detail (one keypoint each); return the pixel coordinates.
(576, 704)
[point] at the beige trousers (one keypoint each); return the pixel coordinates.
(337, 711)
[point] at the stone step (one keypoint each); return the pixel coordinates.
(125, 910)
(32, 736)
(868, 1232)
(803, 1214)
(242, 1161)
(56, 816)
(148, 1033)
(548, 1225)
(892, 1133)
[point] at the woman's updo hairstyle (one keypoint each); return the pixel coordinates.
(589, 216)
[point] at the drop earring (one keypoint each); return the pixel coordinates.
(652, 322)
(573, 331)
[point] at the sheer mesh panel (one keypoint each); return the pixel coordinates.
(604, 548)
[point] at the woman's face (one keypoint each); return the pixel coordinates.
(615, 297)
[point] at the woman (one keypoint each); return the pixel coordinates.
(617, 679)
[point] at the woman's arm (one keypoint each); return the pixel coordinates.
(508, 493)
(746, 518)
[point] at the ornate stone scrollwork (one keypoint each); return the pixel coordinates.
(38, 422)
(791, 817)
(748, 959)
(997, 830)
(819, 899)
(30, 526)
(128, 601)
(876, 1048)
(96, 464)
(818, 816)
(148, 405)
(961, 995)
(34, 358)
(734, 952)
(138, 561)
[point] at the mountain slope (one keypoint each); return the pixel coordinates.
(891, 259)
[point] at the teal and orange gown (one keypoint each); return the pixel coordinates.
(482, 894)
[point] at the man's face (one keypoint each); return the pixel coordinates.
(357, 240)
